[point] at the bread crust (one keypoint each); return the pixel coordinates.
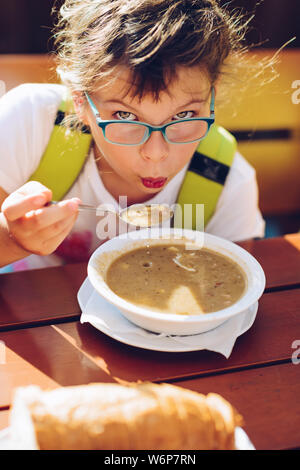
(124, 417)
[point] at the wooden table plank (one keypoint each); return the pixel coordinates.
(49, 295)
(279, 257)
(71, 353)
(42, 295)
(268, 399)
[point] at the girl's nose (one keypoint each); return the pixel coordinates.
(155, 148)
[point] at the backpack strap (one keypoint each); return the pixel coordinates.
(64, 156)
(205, 177)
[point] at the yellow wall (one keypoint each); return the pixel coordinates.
(277, 162)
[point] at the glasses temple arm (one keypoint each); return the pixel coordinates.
(212, 102)
(92, 105)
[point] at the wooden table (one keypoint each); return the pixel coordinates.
(44, 343)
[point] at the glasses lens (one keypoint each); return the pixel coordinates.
(187, 131)
(123, 133)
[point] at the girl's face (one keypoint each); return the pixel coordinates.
(141, 171)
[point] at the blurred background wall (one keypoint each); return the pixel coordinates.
(25, 24)
(265, 121)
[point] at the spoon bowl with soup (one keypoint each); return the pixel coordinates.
(139, 215)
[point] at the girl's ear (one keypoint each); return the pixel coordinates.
(80, 106)
(216, 86)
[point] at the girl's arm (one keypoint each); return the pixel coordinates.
(27, 226)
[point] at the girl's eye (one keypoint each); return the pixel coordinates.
(184, 115)
(125, 116)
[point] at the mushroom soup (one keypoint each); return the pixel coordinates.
(172, 279)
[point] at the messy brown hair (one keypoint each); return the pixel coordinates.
(150, 37)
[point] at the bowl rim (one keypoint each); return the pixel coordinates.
(232, 250)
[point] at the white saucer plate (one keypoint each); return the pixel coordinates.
(133, 335)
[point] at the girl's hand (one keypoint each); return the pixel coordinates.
(34, 227)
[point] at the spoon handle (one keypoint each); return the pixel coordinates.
(85, 207)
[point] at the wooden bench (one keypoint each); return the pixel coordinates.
(24, 68)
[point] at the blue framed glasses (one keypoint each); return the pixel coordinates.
(181, 131)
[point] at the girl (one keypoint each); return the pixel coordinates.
(139, 65)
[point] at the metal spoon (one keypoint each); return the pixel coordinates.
(140, 215)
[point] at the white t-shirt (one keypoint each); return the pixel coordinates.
(27, 115)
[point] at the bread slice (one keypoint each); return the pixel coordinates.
(119, 417)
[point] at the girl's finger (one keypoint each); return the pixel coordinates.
(17, 205)
(42, 218)
(54, 231)
(50, 245)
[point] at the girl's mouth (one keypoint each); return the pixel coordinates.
(154, 182)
